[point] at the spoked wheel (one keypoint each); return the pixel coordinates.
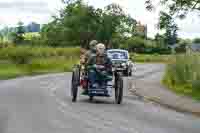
(118, 88)
(130, 74)
(75, 83)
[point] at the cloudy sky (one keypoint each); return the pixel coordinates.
(12, 11)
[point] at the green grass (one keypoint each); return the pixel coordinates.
(50, 65)
(8, 71)
(153, 58)
(27, 52)
(26, 60)
(183, 76)
(35, 67)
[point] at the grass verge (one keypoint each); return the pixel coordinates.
(18, 61)
(8, 71)
(35, 67)
(183, 76)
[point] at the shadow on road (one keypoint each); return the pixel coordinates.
(97, 101)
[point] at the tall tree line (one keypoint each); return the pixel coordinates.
(78, 23)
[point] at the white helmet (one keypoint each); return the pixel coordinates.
(100, 48)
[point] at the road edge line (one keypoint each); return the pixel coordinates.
(169, 106)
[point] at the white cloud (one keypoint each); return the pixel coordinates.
(40, 11)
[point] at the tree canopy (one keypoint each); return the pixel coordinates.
(78, 23)
(179, 8)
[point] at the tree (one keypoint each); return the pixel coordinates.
(20, 28)
(178, 8)
(135, 44)
(173, 9)
(160, 41)
(115, 25)
(184, 41)
(196, 40)
(1, 37)
(79, 23)
(76, 24)
(17, 37)
(168, 24)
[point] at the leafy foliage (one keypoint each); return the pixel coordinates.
(167, 22)
(179, 8)
(23, 55)
(196, 40)
(17, 37)
(183, 75)
(79, 23)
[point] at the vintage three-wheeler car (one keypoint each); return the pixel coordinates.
(104, 88)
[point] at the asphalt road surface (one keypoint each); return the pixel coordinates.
(42, 104)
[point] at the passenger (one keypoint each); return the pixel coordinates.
(85, 55)
(92, 50)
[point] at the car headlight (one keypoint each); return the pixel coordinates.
(124, 64)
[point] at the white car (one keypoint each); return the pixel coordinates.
(121, 60)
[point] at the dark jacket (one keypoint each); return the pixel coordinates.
(89, 54)
(100, 60)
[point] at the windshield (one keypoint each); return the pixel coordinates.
(118, 55)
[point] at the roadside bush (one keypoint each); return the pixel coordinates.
(11, 71)
(50, 65)
(181, 48)
(37, 66)
(6, 45)
(183, 75)
(135, 44)
(142, 46)
(157, 50)
(157, 58)
(22, 54)
(17, 55)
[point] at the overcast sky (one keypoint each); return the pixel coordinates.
(12, 11)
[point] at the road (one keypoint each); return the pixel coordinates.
(42, 104)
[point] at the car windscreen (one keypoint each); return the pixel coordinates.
(117, 55)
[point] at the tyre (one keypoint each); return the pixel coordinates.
(130, 73)
(91, 98)
(75, 83)
(118, 89)
(126, 73)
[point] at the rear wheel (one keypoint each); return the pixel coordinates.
(130, 73)
(75, 83)
(118, 88)
(126, 73)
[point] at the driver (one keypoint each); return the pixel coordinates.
(99, 66)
